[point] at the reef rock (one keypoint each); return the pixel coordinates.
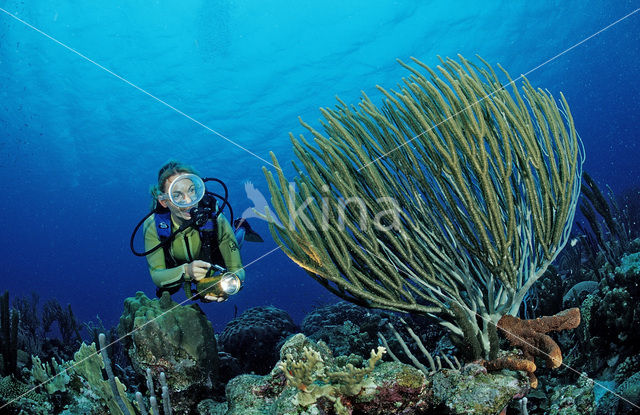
(347, 328)
(309, 380)
(350, 329)
(175, 339)
(625, 399)
(578, 399)
(471, 390)
(255, 337)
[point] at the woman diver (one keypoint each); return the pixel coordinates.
(197, 241)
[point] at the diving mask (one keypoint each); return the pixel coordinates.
(185, 191)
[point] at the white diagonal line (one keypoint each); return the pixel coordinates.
(138, 88)
(489, 321)
(503, 87)
(122, 337)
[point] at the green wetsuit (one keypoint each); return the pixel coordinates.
(163, 276)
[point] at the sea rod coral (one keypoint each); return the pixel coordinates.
(451, 199)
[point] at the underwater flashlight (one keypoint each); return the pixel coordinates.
(230, 283)
(227, 283)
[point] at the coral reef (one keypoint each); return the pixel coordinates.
(314, 381)
(315, 378)
(472, 390)
(255, 337)
(21, 397)
(350, 329)
(625, 400)
(307, 376)
(325, 372)
(177, 340)
(72, 387)
(610, 332)
(575, 399)
(85, 385)
(88, 365)
(53, 376)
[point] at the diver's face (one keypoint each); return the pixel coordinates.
(184, 188)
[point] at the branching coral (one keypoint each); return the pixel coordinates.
(30, 333)
(434, 365)
(458, 191)
(89, 364)
(611, 228)
(314, 379)
(53, 376)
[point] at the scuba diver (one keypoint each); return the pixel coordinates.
(189, 241)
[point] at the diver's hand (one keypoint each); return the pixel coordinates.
(196, 270)
(211, 298)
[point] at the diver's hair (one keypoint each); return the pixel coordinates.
(169, 169)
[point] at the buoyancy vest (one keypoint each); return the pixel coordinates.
(163, 224)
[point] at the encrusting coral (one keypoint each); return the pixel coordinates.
(470, 213)
(18, 397)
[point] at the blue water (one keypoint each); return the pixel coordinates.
(81, 142)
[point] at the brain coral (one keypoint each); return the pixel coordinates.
(255, 337)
